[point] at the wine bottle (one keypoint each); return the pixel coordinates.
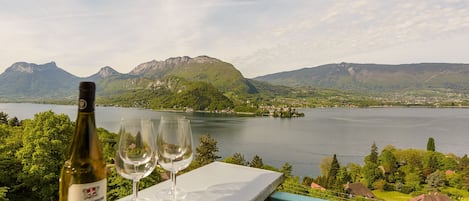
(83, 175)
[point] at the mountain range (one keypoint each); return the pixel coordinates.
(32, 82)
(375, 78)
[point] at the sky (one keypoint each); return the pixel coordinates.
(258, 37)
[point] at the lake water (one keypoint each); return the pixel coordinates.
(303, 142)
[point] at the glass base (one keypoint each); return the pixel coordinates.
(166, 195)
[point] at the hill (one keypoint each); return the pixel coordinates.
(201, 82)
(377, 78)
(31, 81)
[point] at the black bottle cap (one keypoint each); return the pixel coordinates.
(86, 96)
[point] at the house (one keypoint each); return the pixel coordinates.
(317, 186)
(431, 197)
(357, 190)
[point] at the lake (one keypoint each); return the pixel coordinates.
(302, 142)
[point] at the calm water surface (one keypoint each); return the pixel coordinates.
(303, 142)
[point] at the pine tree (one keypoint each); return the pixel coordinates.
(431, 144)
(373, 157)
(332, 176)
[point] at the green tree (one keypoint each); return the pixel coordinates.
(207, 150)
(413, 180)
(333, 171)
(355, 172)
(237, 159)
(3, 118)
(389, 164)
(14, 121)
(325, 165)
(45, 141)
(431, 162)
(372, 173)
(436, 179)
(286, 170)
(373, 157)
(431, 144)
(256, 162)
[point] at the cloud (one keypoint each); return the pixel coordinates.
(257, 36)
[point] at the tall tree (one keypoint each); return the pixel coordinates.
(333, 171)
(45, 141)
(431, 144)
(373, 157)
(207, 150)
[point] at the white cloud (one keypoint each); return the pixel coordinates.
(257, 36)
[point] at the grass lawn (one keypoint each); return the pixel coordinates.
(397, 196)
(392, 195)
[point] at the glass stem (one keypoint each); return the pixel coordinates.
(135, 189)
(135, 184)
(173, 179)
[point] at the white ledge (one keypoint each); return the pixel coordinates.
(222, 182)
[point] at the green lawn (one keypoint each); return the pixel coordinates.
(392, 195)
(397, 196)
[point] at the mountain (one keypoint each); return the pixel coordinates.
(103, 73)
(27, 80)
(32, 82)
(377, 77)
(224, 76)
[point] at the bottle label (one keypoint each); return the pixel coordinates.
(95, 191)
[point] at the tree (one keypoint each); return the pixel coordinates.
(256, 162)
(389, 163)
(287, 170)
(3, 118)
(207, 150)
(325, 165)
(436, 179)
(237, 159)
(14, 121)
(372, 173)
(333, 171)
(431, 144)
(431, 162)
(45, 141)
(373, 157)
(355, 172)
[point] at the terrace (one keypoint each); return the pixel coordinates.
(227, 182)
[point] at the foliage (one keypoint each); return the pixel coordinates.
(3, 192)
(237, 159)
(3, 118)
(43, 152)
(256, 162)
(287, 170)
(333, 171)
(431, 144)
(206, 151)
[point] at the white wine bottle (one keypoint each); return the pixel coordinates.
(83, 175)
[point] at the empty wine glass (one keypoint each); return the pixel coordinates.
(174, 142)
(136, 157)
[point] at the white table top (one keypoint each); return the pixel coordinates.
(221, 182)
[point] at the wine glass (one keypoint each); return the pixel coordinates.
(174, 142)
(136, 156)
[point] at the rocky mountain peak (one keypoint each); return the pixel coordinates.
(107, 71)
(24, 67)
